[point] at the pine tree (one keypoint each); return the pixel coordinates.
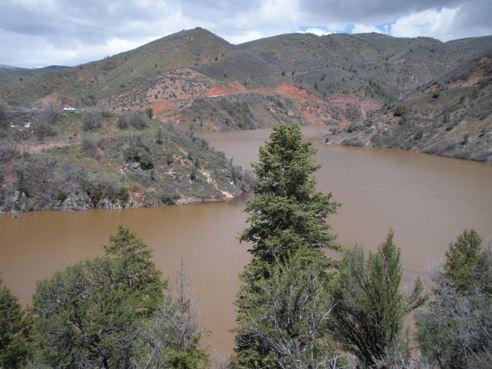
(90, 314)
(455, 328)
(287, 232)
(286, 212)
(368, 308)
(15, 327)
(135, 268)
(285, 323)
(466, 263)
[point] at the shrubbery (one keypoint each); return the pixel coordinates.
(107, 312)
(4, 117)
(400, 110)
(115, 312)
(88, 147)
(136, 120)
(368, 307)
(123, 121)
(455, 328)
(100, 187)
(91, 121)
(15, 326)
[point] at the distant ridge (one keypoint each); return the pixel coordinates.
(398, 88)
(4, 67)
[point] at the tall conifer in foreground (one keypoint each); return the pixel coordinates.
(287, 213)
(287, 231)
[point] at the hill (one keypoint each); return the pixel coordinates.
(449, 116)
(82, 160)
(5, 68)
(198, 80)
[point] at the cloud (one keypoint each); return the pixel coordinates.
(366, 12)
(69, 32)
(245, 37)
(362, 28)
(446, 23)
(317, 31)
(437, 23)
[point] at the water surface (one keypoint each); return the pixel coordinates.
(426, 200)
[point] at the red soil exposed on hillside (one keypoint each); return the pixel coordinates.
(316, 111)
(288, 90)
(175, 89)
(52, 99)
(233, 88)
(480, 70)
(346, 104)
(159, 107)
(85, 75)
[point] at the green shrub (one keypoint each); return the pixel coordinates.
(167, 197)
(352, 128)
(141, 155)
(4, 118)
(88, 147)
(436, 93)
(149, 112)
(91, 314)
(138, 120)
(91, 121)
(369, 309)
(60, 195)
(159, 136)
(100, 188)
(400, 111)
(123, 122)
(43, 125)
(454, 329)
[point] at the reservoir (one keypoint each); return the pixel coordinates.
(427, 200)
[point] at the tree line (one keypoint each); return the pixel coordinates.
(297, 308)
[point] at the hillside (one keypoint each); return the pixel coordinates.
(449, 116)
(76, 161)
(198, 80)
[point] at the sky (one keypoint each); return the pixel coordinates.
(70, 32)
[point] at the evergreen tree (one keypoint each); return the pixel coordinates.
(455, 329)
(466, 263)
(369, 308)
(135, 269)
(89, 315)
(287, 231)
(285, 324)
(286, 212)
(15, 326)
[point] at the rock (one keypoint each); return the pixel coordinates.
(74, 201)
(108, 204)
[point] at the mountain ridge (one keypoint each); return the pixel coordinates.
(199, 80)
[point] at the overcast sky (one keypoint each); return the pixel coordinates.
(69, 32)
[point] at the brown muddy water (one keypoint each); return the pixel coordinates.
(426, 200)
